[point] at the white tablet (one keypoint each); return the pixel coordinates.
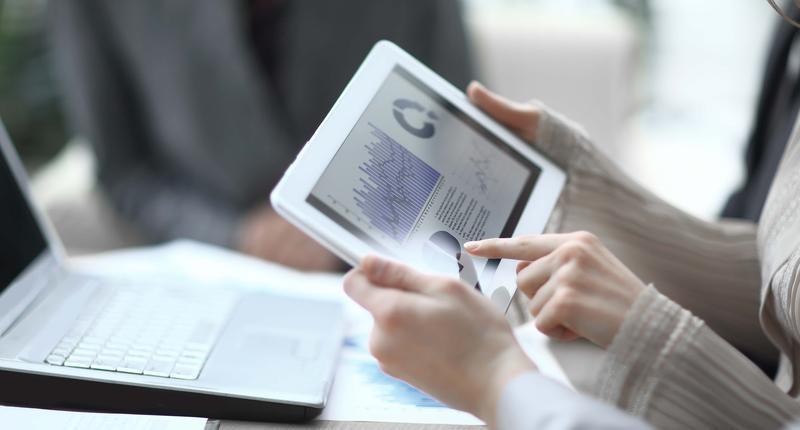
(406, 167)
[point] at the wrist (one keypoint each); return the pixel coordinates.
(251, 230)
(505, 367)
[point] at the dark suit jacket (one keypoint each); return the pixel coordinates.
(189, 132)
(777, 109)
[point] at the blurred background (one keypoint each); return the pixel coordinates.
(666, 87)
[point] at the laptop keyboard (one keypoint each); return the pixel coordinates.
(150, 331)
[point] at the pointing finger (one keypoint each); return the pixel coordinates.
(529, 247)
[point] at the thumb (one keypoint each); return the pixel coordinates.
(391, 274)
(521, 118)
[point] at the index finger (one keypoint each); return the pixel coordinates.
(528, 248)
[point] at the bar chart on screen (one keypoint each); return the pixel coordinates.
(395, 186)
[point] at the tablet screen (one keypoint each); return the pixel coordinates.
(417, 178)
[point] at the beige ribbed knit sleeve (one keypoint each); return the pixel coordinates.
(711, 269)
(666, 364)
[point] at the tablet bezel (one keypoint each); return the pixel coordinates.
(289, 198)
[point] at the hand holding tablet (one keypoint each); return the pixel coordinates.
(404, 166)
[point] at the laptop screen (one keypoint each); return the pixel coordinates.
(21, 239)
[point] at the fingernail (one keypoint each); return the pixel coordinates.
(472, 246)
(474, 85)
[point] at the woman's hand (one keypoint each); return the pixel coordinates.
(520, 118)
(564, 141)
(577, 287)
(437, 334)
(265, 234)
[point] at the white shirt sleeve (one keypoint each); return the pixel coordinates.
(533, 401)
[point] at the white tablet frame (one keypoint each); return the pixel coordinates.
(289, 198)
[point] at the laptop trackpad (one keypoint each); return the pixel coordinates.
(263, 343)
(272, 341)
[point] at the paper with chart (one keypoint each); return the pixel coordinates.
(362, 392)
(417, 178)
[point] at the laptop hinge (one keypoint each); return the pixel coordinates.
(26, 290)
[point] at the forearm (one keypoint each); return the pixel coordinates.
(667, 366)
(710, 269)
(166, 209)
(533, 401)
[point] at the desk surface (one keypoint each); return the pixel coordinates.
(580, 361)
(338, 425)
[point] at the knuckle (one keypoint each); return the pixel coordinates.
(534, 308)
(565, 302)
(528, 284)
(543, 325)
(395, 317)
(586, 238)
(452, 287)
(574, 250)
(390, 316)
(528, 289)
(391, 273)
(380, 314)
(570, 273)
(400, 276)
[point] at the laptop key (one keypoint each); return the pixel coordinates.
(188, 361)
(78, 361)
(80, 352)
(167, 352)
(62, 350)
(160, 368)
(89, 346)
(119, 353)
(139, 353)
(183, 371)
(132, 365)
(55, 359)
(146, 331)
(105, 363)
(116, 345)
(92, 340)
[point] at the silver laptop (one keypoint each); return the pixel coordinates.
(73, 341)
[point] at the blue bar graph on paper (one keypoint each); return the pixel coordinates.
(394, 187)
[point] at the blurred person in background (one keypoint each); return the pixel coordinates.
(196, 108)
(776, 110)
